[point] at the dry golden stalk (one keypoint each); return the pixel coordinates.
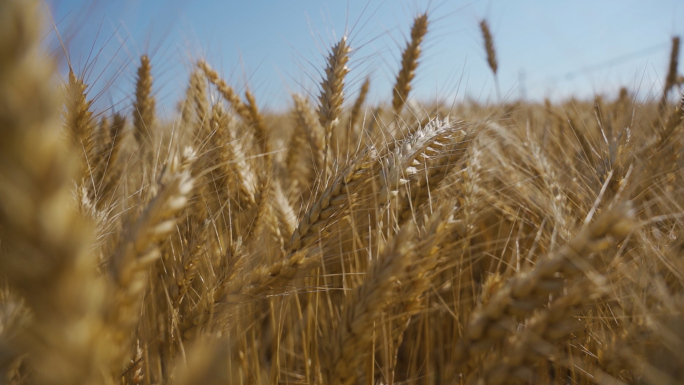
(226, 91)
(332, 94)
(46, 245)
(145, 104)
(409, 63)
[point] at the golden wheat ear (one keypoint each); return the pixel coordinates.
(144, 106)
(331, 95)
(409, 63)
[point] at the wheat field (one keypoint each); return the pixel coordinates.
(340, 243)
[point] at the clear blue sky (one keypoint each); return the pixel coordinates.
(556, 48)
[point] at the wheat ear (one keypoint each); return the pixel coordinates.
(226, 91)
(81, 126)
(335, 199)
(491, 52)
(139, 248)
(308, 139)
(332, 95)
(144, 106)
(526, 292)
(409, 63)
(671, 78)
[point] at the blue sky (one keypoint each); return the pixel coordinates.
(545, 48)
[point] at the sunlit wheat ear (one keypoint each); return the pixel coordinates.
(145, 105)
(226, 91)
(305, 155)
(333, 203)
(409, 63)
(80, 124)
(259, 125)
(110, 168)
(197, 97)
(332, 93)
(139, 248)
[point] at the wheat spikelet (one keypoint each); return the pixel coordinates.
(489, 46)
(139, 248)
(491, 53)
(80, 124)
(144, 106)
(197, 93)
(334, 199)
(409, 63)
(419, 163)
(307, 139)
(332, 94)
(260, 131)
(226, 91)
